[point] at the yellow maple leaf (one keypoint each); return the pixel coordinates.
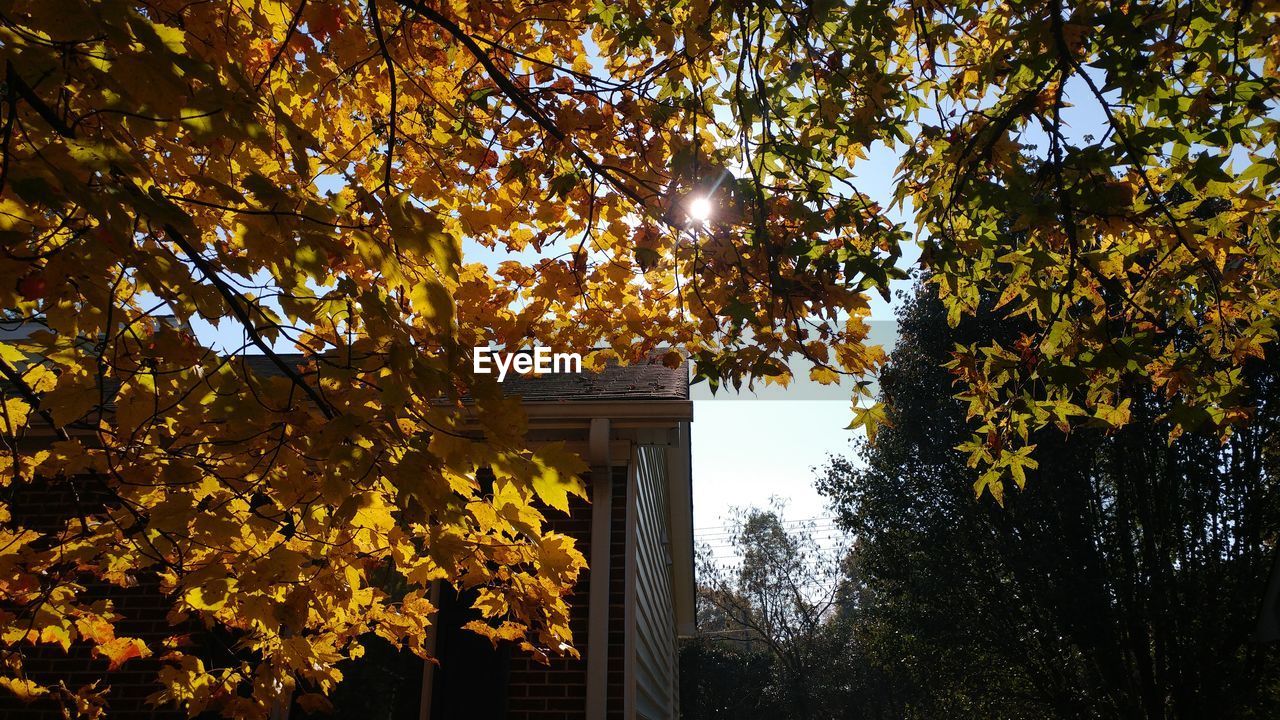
(555, 474)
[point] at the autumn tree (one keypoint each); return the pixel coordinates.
(1141, 247)
(307, 173)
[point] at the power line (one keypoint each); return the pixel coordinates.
(809, 531)
(818, 518)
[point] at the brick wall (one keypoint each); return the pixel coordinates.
(559, 690)
(44, 506)
(535, 691)
(617, 594)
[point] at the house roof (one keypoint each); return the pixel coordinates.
(650, 380)
(646, 380)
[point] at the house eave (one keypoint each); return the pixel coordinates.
(673, 411)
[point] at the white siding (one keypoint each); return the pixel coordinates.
(655, 627)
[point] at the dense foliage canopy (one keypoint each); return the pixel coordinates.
(307, 173)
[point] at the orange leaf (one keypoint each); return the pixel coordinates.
(120, 650)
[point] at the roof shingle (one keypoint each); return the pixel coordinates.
(647, 380)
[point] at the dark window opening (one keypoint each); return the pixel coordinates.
(385, 684)
(471, 680)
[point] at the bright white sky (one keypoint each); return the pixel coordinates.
(749, 449)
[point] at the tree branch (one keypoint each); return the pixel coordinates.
(391, 74)
(15, 378)
(518, 97)
(235, 300)
(238, 303)
(275, 58)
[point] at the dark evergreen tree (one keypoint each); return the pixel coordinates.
(1123, 582)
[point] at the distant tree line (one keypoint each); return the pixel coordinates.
(770, 623)
(1124, 581)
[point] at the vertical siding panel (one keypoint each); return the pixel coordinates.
(655, 631)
